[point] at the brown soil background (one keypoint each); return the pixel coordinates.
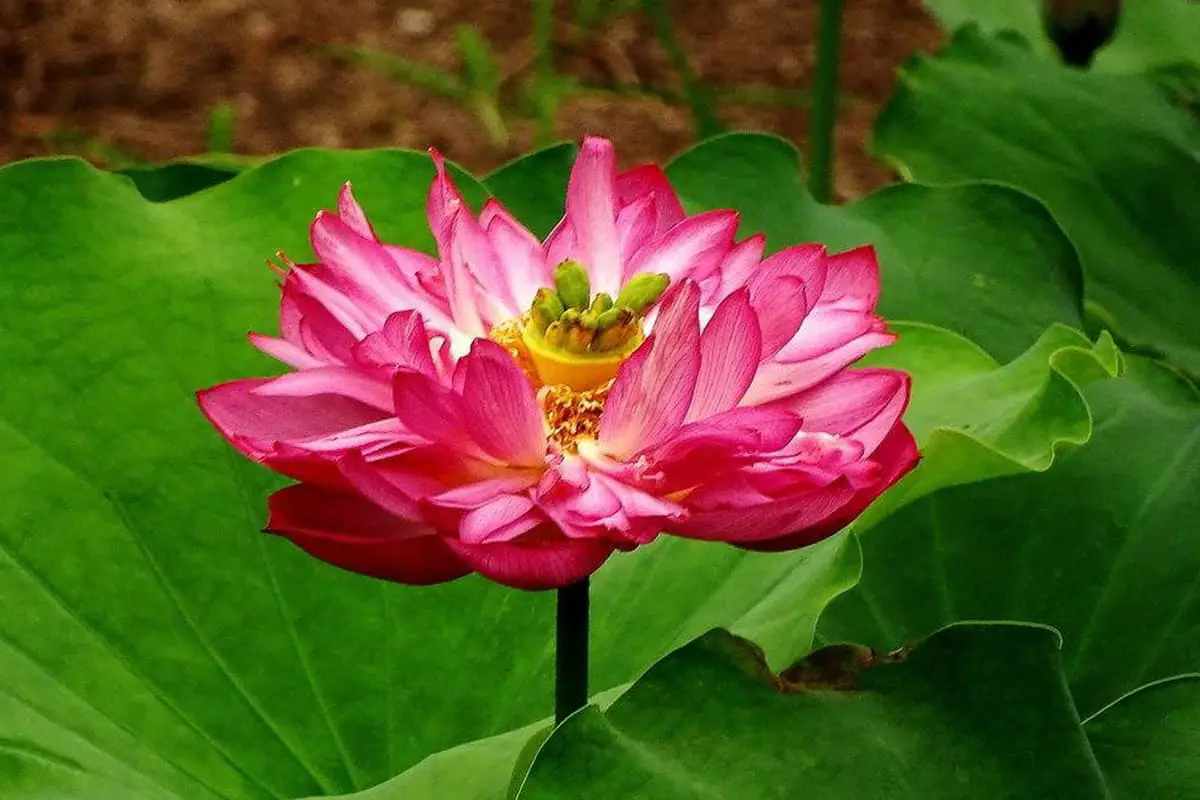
(140, 77)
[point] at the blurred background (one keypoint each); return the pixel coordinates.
(125, 82)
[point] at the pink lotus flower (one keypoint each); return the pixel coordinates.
(523, 409)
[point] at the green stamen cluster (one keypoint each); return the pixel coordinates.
(570, 318)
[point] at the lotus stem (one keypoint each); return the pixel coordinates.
(571, 651)
(825, 102)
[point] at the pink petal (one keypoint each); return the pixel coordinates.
(549, 564)
(430, 410)
(522, 263)
(352, 214)
(739, 265)
(500, 520)
(403, 343)
(692, 248)
(502, 412)
(359, 267)
(355, 319)
(282, 350)
(730, 350)
(762, 521)
(591, 207)
(356, 384)
(853, 275)
(399, 484)
(649, 180)
(443, 202)
(863, 404)
(777, 379)
(635, 227)
(654, 387)
(237, 409)
(348, 532)
(898, 453)
(310, 325)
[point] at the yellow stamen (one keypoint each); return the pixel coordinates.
(508, 335)
(572, 415)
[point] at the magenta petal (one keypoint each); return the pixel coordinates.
(853, 275)
(352, 214)
(502, 412)
(765, 520)
(429, 409)
(898, 453)
(238, 409)
(730, 351)
(535, 564)
(654, 387)
(349, 532)
(402, 343)
(650, 181)
(591, 207)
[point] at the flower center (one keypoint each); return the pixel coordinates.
(571, 344)
(576, 340)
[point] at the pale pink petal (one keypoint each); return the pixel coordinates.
(352, 214)
(864, 404)
(282, 350)
(238, 410)
(475, 494)
(692, 248)
(777, 379)
(591, 207)
(522, 263)
(356, 384)
(828, 328)
(500, 520)
(730, 351)
(502, 412)
(443, 203)
(545, 564)
(351, 533)
(635, 227)
(654, 387)
(740, 263)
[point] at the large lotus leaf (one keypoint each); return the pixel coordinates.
(1147, 740)
(1150, 34)
(1102, 547)
(974, 711)
(1110, 157)
(163, 646)
(153, 644)
(985, 261)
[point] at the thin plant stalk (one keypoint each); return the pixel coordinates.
(571, 651)
(545, 83)
(825, 102)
